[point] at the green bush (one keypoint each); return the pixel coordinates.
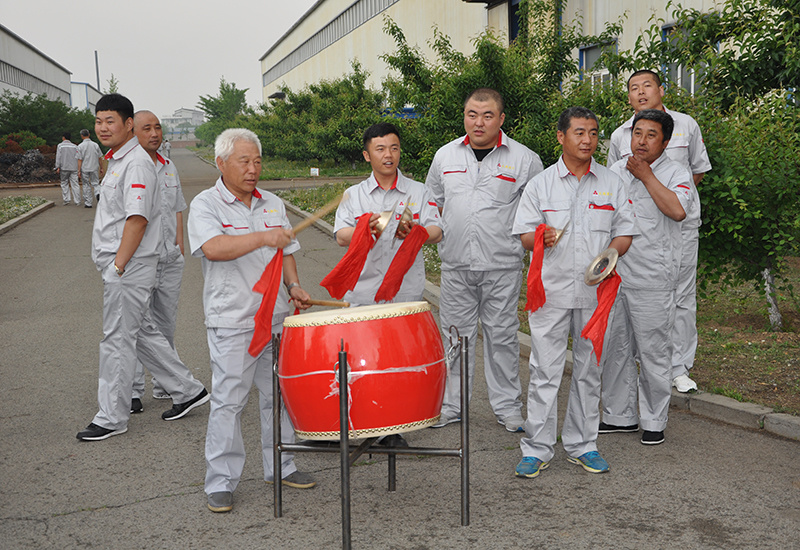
(41, 116)
(25, 139)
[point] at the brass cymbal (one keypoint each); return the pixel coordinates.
(386, 217)
(601, 267)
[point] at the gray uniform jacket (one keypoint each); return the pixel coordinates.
(479, 201)
(65, 156)
(653, 259)
(172, 202)
(597, 208)
(89, 152)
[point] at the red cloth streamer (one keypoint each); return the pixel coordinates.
(401, 263)
(268, 285)
(595, 329)
(536, 296)
(345, 275)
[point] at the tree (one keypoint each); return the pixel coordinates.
(113, 85)
(221, 110)
(46, 118)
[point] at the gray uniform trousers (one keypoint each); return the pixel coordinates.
(164, 311)
(233, 372)
(684, 332)
(550, 328)
(492, 297)
(69, 179)
(641, 322)
(91, 186)
(130, 335)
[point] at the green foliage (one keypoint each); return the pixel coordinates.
(43, 117)
(113, 86)
(25, 139)
(12, 207)
(221, 110)
(326, 120)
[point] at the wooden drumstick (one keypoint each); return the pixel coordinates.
(326, 303)
(306, 223)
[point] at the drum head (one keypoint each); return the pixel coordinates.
(601, 267)
(356, 314)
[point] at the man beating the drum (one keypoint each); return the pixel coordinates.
(386, 190)
(237, 229)
(592, 203)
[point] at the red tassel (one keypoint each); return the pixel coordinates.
(536, 295)
(345, 275)
(268, 285)
(401, 263)
(595, 329)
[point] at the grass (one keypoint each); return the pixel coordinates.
(12, 207)
(737, 354)
(272, 169)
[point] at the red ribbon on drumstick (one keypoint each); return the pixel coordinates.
(595, 329)
(345, 275)
(269, 285)
(535, 295)
(401, 263)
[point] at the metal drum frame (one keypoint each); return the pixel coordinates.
(349, 453)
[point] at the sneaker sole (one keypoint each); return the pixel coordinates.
(190, 408)
(164, 396)
(218, 509)
(508, 429)
(659, 442)
(294, 485)
(102, 437)
(543, 466)
(619, 431)
(585, 466)
(441, 424)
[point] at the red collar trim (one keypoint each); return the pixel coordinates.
(160, 159)
(109, 155)
(499, 139)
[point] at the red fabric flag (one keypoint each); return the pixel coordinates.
(268, 285)
(595, 329)
(401, 263)
(536, 296)
(344, 276)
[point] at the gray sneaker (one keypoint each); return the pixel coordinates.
(298, 480)
(220, 502)
(513, 422)
(447, 418)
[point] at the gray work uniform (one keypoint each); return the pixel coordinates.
(369, 196)
(89, 154)
(687, 148)
(130, 189)
(644, 312)
(230, 305)
(67, 164)
(598, 210)
(482, 260)
(169, 273)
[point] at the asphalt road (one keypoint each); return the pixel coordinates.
(710, 485)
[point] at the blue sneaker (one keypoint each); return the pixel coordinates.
(530, 466)
(591, 462)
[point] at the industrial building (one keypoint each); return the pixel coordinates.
(24, 69)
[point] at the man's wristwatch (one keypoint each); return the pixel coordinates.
(118, 270)
(290, 286)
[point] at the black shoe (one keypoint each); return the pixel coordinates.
(652, 438)
(87, 205)
(93, 432)
(611, 428)
(180, 410)
(136, 405)
(98, 198)
(394, 440)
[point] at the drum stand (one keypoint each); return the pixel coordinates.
(349, 453)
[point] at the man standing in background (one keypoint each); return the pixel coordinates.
(90, 163)
(67, 169)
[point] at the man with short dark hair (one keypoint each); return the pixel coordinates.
(661, 192)
(125, 248)
(90, 164)
(67, 169)
(686, 147)
(476, 181)
(593, 202)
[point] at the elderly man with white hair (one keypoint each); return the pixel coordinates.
(237, 229)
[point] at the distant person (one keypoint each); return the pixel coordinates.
(577, 191)
(237, 229)
(687, 148)
(90, 164)
(644, 312)
(126, 241)
(476, 181)
(167, 148)
(67, 169)
(164, 300)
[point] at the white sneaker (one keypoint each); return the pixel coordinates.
(447, 418)
(513, 422)
(684, 384)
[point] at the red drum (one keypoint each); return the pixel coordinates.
(396, 370)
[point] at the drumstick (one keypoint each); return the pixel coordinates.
(327, 303)
(306, 223)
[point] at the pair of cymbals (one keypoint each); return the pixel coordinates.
(386, 217)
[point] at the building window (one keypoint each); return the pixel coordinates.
(513, 20)
(686, 78)
(588, 57)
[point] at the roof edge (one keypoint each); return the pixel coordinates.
(293, 27)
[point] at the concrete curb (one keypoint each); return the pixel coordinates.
(11, 224)
(708, 405)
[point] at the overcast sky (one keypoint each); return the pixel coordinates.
(165, 54)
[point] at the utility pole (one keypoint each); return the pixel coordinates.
(97, 70)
